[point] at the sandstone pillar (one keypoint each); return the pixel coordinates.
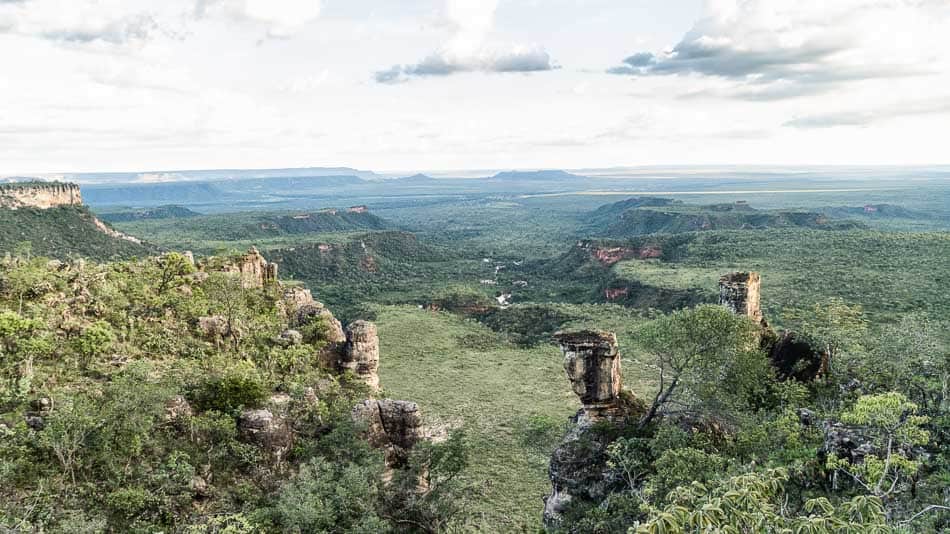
(592, 363)
(361, 353)
(740, 293)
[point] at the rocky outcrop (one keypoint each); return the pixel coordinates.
(578, 468)
(592, 363)
(790, 355)
(266, 430)
(39, 195)
(392, 425)
(177, 409)
(214, 327)
(361, 353)
(741, 293)
(255, 271)
(795, 358)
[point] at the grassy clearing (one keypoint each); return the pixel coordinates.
(461, 372)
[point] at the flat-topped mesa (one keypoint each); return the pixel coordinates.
(740, 292)
(360, 354)
(40, 195)
(592, 363)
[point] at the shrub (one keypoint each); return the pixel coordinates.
(228, 393)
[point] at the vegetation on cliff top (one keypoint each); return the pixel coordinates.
(62, 232)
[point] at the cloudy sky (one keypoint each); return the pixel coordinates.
(109, 85)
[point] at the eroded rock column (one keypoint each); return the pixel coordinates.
(592, 363)
(393, 425)
(361, 353)
(740, 292)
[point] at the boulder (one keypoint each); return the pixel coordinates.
(314, 310)
(290, 338)
(264, 429)
(214, 327)
(35, 422)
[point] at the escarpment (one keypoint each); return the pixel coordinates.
(39, 195)
(53, 215)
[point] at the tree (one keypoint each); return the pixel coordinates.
(891, 421)
(16, 356)
(172, 266)
(700, 353)
(832, 325)
(911, 357)
(332, 497)
(94, 341)
(756, 502)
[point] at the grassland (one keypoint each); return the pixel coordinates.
(462, 373)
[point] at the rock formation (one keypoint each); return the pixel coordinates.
(255, 271)
(578, 468)
(592, 363)
(393, 425)
(740, 292)
(214, 327)
(361, 353)
(791, 356)
(264, 429)
(39, 195)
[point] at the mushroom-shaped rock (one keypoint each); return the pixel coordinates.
(361, 353)
(592, 363)
(266, 430)
(393, 425)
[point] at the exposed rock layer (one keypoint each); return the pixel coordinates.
(740, 292)
(393, 425)
(592, 363)
(361, 353)
(40, 195)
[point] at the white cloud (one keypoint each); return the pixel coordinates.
(468, 50)
(281, 17)
(776, 49)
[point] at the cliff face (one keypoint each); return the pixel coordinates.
(39, 195)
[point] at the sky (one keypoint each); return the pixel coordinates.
(136, 85)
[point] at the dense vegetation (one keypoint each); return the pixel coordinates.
(160, 212)
(121, 413)
(61, 232)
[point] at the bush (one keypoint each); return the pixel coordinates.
(228, 393)
(331, 497)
